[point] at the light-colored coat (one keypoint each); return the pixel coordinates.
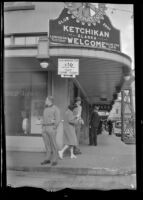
(70, 121)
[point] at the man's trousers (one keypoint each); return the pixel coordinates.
(49, 138)
(93, 135)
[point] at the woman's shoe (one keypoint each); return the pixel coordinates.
(73, 156)
(60, 154)
(54, 163)
(45, 162)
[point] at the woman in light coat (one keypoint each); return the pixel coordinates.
(70, 138)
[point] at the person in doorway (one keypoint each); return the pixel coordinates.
(94, 123)
(110, 127)
(100, 127)
(25, 122)
(78, 125)
(70, 138)
(51, 119)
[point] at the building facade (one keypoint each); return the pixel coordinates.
(102, 66)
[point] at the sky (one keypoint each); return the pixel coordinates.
(120, 17)
(122, 20)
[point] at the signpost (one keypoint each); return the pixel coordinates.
(68, 68)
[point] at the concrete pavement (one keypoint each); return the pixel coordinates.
(110, 157)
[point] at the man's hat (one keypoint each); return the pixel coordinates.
(51, 98)
(78, 99)
(96, 107)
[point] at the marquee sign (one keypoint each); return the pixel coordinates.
(70, 29)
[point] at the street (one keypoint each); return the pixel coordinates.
(55, 181)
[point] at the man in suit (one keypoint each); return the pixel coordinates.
(110, 127)
(94, 123)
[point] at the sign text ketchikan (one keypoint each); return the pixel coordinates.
(65, 30)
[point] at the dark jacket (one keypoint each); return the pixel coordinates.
(110, 125)
(95, 119)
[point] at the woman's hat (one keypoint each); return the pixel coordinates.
(78, 99)
(72, 106)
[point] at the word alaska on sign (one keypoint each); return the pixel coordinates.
(66, 30)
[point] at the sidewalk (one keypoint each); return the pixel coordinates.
(110, 157)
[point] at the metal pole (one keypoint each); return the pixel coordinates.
(122, 115)
(132, 110)
(131, 101)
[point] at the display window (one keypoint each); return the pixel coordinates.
(25, 95)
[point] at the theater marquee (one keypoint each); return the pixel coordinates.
(66, 30)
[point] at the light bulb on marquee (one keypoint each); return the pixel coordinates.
(84, 12)
(73, 17)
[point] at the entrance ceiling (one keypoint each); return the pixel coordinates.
(99, 78)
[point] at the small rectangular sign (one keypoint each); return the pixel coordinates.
(68, 67)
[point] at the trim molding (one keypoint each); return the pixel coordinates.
(70, 52)
(19, 8)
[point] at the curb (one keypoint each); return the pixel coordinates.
(76, 171)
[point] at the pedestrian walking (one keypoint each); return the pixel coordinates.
(110, 127)
(70, 138)
(51, 119)
(80, 122)
(94, 124)
(25, 122)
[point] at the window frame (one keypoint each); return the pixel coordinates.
(17, 6)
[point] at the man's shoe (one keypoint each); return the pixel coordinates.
(45, 162)
(54, 163)
(77, 151)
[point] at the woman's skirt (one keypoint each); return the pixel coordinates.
(70, 137)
